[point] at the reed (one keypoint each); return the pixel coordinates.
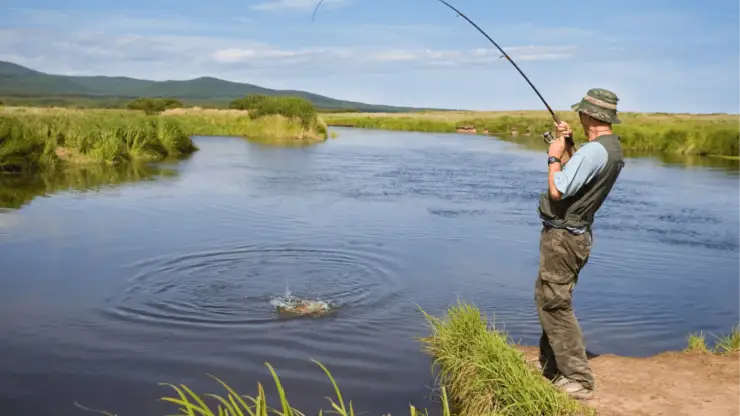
(711, 134)
(35, 138)
(485, 374)
(723, 344)
(275, 128)
(190, 403)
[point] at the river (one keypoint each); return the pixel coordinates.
(116, 280)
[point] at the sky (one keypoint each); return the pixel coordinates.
(656, 55)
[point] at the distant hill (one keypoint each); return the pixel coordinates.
(22, 85)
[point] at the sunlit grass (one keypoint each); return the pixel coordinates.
(711, 134)
(723, 344)
(32, 138)
(696, 343)
(232, 403)
(728, 343)
(485, 374)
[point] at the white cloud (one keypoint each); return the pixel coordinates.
(272, 5)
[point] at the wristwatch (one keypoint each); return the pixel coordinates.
(552, 159)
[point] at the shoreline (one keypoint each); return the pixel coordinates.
(686, 134)
(481, 372)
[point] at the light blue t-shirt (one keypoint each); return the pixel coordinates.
(585, 165)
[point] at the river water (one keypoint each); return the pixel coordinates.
(115, 280)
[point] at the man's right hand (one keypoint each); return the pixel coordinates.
(563, 129)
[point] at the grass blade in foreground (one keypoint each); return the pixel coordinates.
(485, 374)
(236, 405)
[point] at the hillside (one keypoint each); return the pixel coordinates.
(21, 85)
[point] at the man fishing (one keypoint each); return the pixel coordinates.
(578, 183)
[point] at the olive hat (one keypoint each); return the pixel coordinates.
(600, 104)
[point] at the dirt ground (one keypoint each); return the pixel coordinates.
(672, 383)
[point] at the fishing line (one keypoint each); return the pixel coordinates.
(547, 135)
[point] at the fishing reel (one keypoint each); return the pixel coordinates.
(549, 138)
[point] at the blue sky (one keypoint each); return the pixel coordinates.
(657, 55)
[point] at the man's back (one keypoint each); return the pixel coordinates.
(585, 182)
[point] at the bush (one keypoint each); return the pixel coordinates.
(261, 105)
(153, 105)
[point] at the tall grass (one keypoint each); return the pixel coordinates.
(723, 344)
(34, 138)
(276, 128)
(234, 404)
(678, 133)
(190, 403)
(30, 140)
(485, 374)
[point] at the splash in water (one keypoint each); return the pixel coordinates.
(291, 305)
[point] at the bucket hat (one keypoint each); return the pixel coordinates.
(600, 104)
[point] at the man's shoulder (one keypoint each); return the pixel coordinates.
(593, 154)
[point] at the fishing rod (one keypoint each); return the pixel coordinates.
(547, 135)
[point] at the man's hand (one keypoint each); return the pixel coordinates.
(559, 145)
(558, 149)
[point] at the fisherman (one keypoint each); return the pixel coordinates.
(578, 183)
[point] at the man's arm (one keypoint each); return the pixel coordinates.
(585, 164)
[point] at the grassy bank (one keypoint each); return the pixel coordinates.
(712, 134)
(485, 374)
(33, 138)
(273, 128)
(45, 138)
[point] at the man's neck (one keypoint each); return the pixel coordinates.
(596, 132)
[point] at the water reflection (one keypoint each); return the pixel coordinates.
(17, 191)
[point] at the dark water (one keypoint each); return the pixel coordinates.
(104, 293)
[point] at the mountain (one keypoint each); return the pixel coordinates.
(21, 85)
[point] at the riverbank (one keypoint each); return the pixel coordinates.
(486, 373)
(482, 372)
(696, 134)
(33, 138)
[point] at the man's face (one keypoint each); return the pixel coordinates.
(584, 122)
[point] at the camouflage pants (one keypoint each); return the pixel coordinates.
(562, 349)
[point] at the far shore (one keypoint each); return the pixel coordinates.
(690, 134)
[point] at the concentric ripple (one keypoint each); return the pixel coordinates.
(234, 286)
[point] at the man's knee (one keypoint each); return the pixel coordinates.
(551, 296)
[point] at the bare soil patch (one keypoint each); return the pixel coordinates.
(671, 383)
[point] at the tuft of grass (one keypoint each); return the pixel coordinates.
(695, 134)
(234, 404)
(484, 372)
(730, 343)
(696, 343)
(723, 344)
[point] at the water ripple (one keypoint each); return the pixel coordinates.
(233, 286)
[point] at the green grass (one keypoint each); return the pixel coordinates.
(36, 139)
(274, 128)
(485, 374)
(724, 344)
(705, 135)
(190, 403)
(32, 139)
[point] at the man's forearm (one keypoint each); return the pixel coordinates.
(554, 193)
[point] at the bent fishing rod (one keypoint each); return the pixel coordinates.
(547, 135)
